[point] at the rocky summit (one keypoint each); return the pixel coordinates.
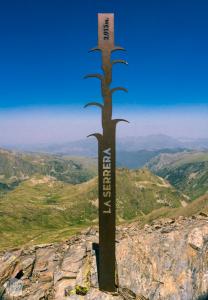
(165, 260)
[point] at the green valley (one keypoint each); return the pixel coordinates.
(46, 198)
(42, 209)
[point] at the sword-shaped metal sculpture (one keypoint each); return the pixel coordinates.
(106, 155)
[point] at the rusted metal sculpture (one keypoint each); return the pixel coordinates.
(106, 154)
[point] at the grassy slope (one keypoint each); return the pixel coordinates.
(199, 205)
(42, 209)
(16, 167)
(188, 172)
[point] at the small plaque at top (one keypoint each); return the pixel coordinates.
(105, 30)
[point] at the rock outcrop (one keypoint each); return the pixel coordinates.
(167, 260)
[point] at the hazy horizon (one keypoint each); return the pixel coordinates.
(70, 123)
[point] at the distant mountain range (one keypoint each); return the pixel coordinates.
(88, 146)
(16, 167)
(138, 159)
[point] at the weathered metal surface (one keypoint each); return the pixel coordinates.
(106, 155)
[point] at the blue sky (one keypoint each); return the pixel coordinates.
(44, 56)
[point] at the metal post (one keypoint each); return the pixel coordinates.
(106, 154)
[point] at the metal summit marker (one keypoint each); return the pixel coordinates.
(106, 155)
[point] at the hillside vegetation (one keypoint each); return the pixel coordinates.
(45, 198)
(187, 171)
(42, 208)
(200, 205)
(16, 167)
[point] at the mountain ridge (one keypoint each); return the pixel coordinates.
(88, 147)
(18, 166)
(187, 171)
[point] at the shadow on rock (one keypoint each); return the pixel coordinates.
(203, 297)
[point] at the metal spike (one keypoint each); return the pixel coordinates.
(99, 76)
(120, 120)
(94, 103)
(118, 48)
(94, 49)
(122, 61)
(120, 88)
(97, 135)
